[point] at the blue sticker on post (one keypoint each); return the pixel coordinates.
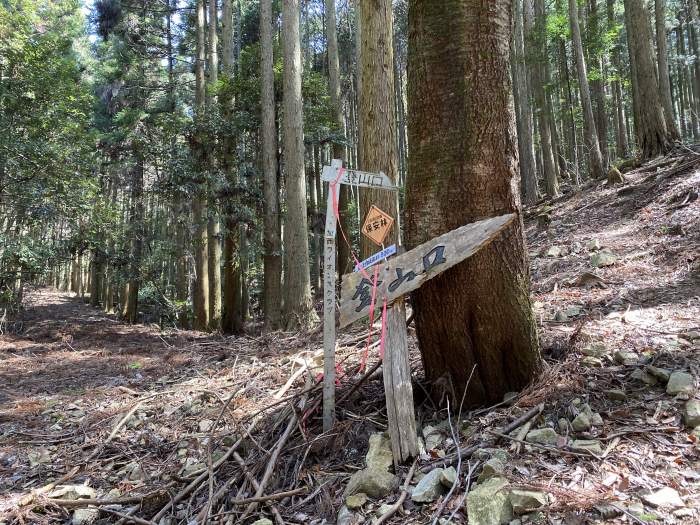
(373, 259)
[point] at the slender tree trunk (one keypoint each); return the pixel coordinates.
(137, 233)
(598, 83)
(526, 147)
(568, 122)
(653, 136)
(213, 224)
(595, 158)
(298, 306)
(459, 174)
(535, 35)
(695, 75)
(231, 321)
(680, 74)
(343, 263)
(662, 62)
(622, 147)
(199, 202)
(379, 152)
(272, 244)
(313, 212)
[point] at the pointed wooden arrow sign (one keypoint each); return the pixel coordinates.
(409, 271)
(364, 179)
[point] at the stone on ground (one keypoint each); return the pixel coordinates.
(488, 503)
(379, 455)
(556, 251)
(429, 488)
(680, 383)
(493, 467)
(593, 245)
(616, 394)
(595, 350)
(603, 258)
(661, 374)
(592, 362)
(433, 437)
(346, 517)
(524, 501)
(597, 420)
(263, 521)
(691, 413)
(581, 423)
(587, 446)
(85, 516)
(542, 436)
(626, 358)
(666, 497)
(375, 480)
(355, 501)
(644, 377)
(448, 477)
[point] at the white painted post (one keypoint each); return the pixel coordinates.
(329, 304)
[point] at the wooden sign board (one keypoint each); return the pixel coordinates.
(363, 179)
(377, 225)
(409, 271)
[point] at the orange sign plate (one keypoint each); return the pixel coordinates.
(377, 225)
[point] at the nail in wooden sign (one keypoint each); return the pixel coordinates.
(377, 225)
(409, 271)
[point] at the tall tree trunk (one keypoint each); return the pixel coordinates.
(680, 74)
(693, 41)
(137, 233)
(213, 224)
(343, 264)
(536, 37)
(595, 158)
(231, 321)
(459, 174)
(662, 61)
(622, 146)
(298, 306)
(598, 83)
(568, 122)
(526, 148)
(272, 243)
(653, 136)
(313, 212)
(199, 202)
(379, 152)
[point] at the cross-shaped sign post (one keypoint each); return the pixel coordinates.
(355, 178)
(399, 276)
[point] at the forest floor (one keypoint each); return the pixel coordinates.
(133, 420)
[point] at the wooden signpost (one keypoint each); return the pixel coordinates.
(362, 179)
(398, 276)
(408, 271)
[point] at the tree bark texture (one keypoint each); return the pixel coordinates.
(298, 306)
(272, 241)
(595, 158)
(653, 137)
(463, 167)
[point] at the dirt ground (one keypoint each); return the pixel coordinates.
(144, 420)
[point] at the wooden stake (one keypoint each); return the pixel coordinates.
(397, 386)
(329, 307)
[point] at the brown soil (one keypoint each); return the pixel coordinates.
(71, 373)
